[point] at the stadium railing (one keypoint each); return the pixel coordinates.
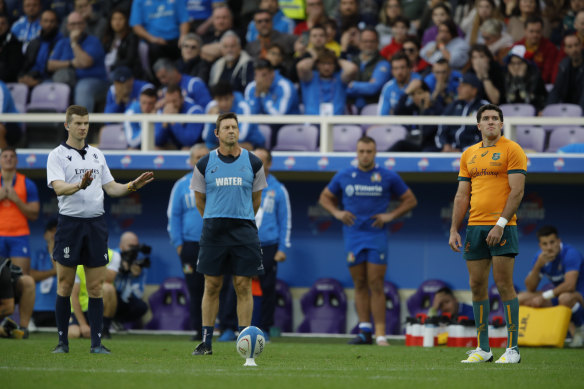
(326, 122)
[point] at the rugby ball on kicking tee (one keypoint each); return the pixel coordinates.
(250, 342)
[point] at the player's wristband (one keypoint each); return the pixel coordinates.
(502, 222)
(548, 294)
(131, 186)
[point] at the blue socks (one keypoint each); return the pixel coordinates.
(95, 316)
(62, 315)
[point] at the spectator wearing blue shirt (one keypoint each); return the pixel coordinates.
(270, 93)
(124, 91)
(34, 70)
(563, 265)
(374, 71)
(280, 22)
(455, 138)
(79, 61)
(160, 23)
(28, 26)
(446, 303)
(44, 273)
(192, 87)
(10, 133)
(359, 197)
(324, 91)
(395, 88)
(182, 135)
(147, 105)
(443, 82)
(225, 99)
(184, 228)
(200, 12)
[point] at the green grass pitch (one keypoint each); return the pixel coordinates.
(165, 362)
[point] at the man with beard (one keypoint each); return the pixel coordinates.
(34, 71)
(373, 70)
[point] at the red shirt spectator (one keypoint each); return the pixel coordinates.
(540, 50)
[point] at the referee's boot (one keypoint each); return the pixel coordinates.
(61, 348)
(203, 349)
(101, 349)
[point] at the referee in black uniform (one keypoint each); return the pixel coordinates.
(79, 174)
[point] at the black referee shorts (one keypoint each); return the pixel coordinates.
(243, 260)
(81, 241)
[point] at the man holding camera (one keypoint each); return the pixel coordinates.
(131, 278)
(15, 288)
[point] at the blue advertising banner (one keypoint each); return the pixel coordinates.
(315, 162)
(418, 248)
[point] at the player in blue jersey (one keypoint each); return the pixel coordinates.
(445, 302)
(274, 221)
(359, 197)
(563, 265)
(228, 187)
(184, 227)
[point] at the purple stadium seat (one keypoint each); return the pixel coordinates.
(19, 93)
(532, 138)
(524, 110)
(421, 300)
(324, 307)
(49, 97)
(386, 135)
(369, 110)
(561, 110)
(112, 137)
(345, 137)
(283, 311)
(170, 306)
(392, 309)
(266, 131)
(297, 137)
(562, 136)
(496, 304)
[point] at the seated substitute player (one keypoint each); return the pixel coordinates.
(445, 302)
(563, 265)
(81, 237)
(228, 187)
(491, 180)
(359, 198)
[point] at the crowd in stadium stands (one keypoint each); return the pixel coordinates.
(318, 57)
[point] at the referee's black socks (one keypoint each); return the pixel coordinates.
(62, 315)
(95, 316)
